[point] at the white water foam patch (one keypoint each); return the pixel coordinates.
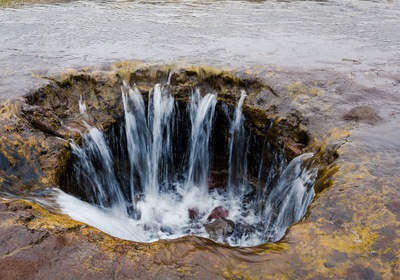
(161, 215)
(166, 216)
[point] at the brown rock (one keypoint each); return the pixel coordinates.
(220, 228)
(364, 114)
(45, 121)
(218, 212)
(194, 213)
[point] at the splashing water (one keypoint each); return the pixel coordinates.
(161, 200)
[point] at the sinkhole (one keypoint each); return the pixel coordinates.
(188, 164)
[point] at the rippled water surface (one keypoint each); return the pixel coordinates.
(348, 49)
(341, 35)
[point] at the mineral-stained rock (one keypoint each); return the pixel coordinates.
(218, 212)
(194, 213)
(42, 119)
(221, 228)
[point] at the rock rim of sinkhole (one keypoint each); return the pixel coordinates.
(69, 107)
(54, 115)
(34, 154)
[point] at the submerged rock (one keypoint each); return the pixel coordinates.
(244, 229)
(151, 226)
(221, 228)
(364, 114)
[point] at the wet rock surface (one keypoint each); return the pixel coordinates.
(194, 213)
(364, 114)
(220, 228)
(218, 213)
(352, 227)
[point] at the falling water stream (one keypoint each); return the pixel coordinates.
(167, 195)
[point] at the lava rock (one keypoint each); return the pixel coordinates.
(218, 212)
(220, 228)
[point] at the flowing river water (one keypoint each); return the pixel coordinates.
(350, 36)
(352, 227)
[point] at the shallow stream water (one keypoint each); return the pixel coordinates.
(351, 36)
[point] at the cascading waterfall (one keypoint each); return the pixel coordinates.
(159, 121)
(94, 166)
(163, 200)
(137, 139)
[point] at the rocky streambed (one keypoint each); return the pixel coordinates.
(350, 229)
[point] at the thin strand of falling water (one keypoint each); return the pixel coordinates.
(202, 111)
(289, 199)
(82, 108)
(160, 116)
(104, 188)
(238, 151)
(169, 77)
(271, 167)
(137, 136)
